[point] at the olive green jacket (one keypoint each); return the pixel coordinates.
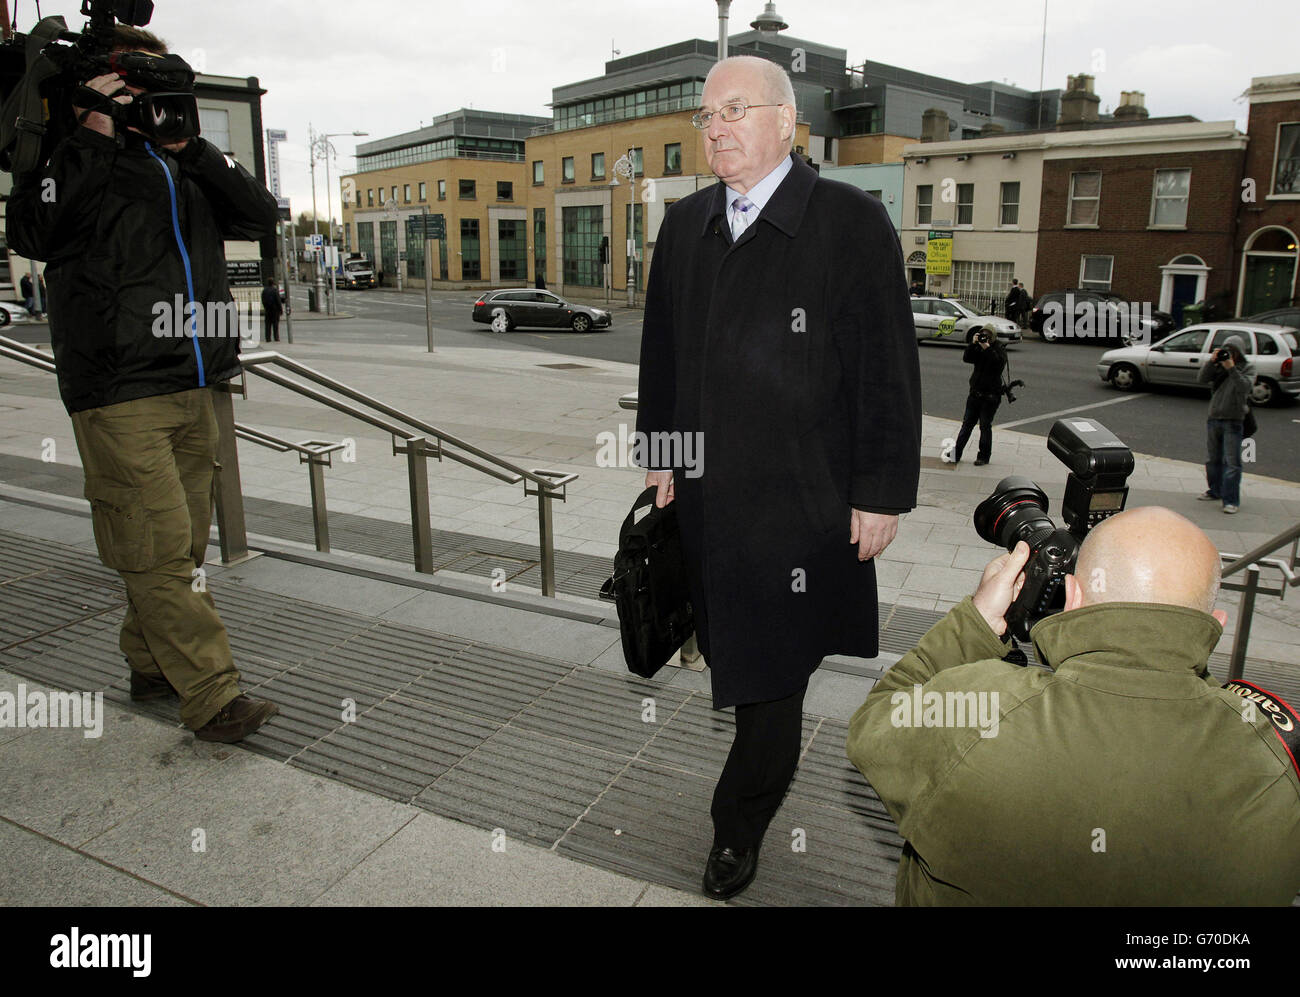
(1125, 776)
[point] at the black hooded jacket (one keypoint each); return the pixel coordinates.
(986, 378)
(130, 234)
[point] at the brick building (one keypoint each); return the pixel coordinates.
(1268, 205)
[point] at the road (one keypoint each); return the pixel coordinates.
(1061, 378)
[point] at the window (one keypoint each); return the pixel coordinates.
(512, 246)
(1169, 198)
(469, 253)
(876, 194)
(467, 192)
(539, 172)
(388, 247)
(673, 157)
(393, 195)
(1010, 204)
(583, 227)
(598, 166)
(406, 193)
(215, 127)
(442, 190)
(977, 283)
(965, 203)
(366, 239)
(1188, 342)
(1221, 338)
(505, 190)
(828, 146)
(566, 170)
(539, 242)
(370, 197)
(638, 164)
(1286, 169)
(424, 190)
(1085, 200)
(924, 203)
(1095, 271)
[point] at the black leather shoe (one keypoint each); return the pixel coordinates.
(981, 461)
(146, 687)
(237, 719)
(729, 871)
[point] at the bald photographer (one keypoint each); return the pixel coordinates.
(1121, 774)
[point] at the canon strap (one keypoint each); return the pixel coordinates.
(1285, 722)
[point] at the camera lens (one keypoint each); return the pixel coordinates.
(1017, 510)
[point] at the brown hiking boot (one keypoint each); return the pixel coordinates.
(237, 719)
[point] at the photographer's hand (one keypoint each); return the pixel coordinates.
(96, 121)
(1000, 585)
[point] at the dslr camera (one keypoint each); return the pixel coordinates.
(1222, 354)
(1096, 489)
(43, 76)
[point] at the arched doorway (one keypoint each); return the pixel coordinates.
(1268, 270)
(1182, 283)
(916, 268)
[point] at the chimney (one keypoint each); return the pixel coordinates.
(724, 9)
(1132, 106)
(768, 23)
(991, 128)
(934, 125)
(1078, 103)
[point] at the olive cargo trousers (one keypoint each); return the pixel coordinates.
(149, 475)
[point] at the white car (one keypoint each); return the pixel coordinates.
(947, 320)
(11, 313)
(1271, 349)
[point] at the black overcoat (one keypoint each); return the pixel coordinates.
(793, 354)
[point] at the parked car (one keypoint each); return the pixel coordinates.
(515, 307)
(1289, 316)
(1177, 359)
(947, 320)
(11, 312)
(1110, 317)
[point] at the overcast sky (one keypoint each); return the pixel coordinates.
(385, 66)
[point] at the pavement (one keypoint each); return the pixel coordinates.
(312, 815)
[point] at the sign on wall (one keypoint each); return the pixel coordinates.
(938, 252)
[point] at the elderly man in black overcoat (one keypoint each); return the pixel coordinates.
(778, 328)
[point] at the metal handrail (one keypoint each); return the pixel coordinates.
(316, 455)
(1250, 562)
(416, 439)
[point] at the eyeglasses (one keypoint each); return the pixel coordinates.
(728, 113)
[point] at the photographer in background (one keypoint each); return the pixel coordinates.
(1125, 776)
(989, 358)
(1231, 379)
(126, 224)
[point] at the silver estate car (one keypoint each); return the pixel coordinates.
(1271, 349)
(947, 320)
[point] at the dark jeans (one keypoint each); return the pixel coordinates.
(272, 331)
(758, 771)
(1223, 459)
(981, 409)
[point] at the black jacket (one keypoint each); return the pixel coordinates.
(125, 228)
(272, 306)
(986, 378)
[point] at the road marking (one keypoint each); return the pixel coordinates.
(1069, 411)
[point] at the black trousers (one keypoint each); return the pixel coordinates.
(979, 408)
(272, 330)
(758, 771)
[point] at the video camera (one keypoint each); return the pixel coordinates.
(1096, 489)
(43, 76)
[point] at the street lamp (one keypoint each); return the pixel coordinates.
(322, 143)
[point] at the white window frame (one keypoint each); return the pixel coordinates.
(1069, 206)
(1185, 198)
(969, 223)
(1277, 149)
(1003, 204)
(1094, 285)
(929, 205)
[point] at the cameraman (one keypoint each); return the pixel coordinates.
(126, 224)
(1125, 776)
(990, 359)
(1231, 379)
